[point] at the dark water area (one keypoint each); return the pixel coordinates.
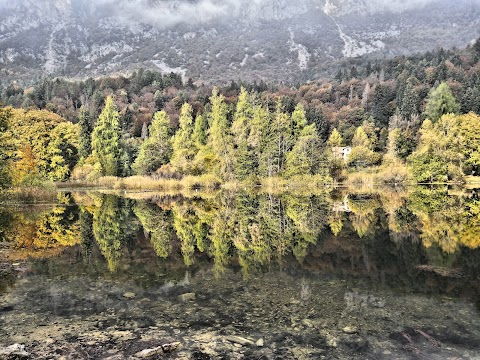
(349, 274)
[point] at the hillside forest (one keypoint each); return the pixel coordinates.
(408, 119)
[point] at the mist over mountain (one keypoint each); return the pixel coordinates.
(217, 40)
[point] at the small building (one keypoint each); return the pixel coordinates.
(341, 152)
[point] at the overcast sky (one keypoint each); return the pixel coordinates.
(169, 12)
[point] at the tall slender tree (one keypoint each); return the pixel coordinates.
(5, 114)
(245, 157)
(183, 144)
(220, 139)
(85, 143)
(156, 150)
(106, 140)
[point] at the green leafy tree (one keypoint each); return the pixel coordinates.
(438, 157)
(156, 150)
(440, 101)
(362, 149)
(107, 141)
(470, 142)
(52, 140)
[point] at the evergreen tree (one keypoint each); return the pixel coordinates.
(280, 141)
(335, 139)
(126, 120)
(62, 150)
(362, 149)
(408, 105)
(471, 100)
(106, 140)
(220, 141)
(241, 128)
(380, 108)
(85, 144)
(440, 101)
(199, 135)
(156, 150)
(183, 144)
(5, 115)
(299, 121)
(260, 139)
(304, 158)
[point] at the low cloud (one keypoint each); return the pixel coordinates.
(167, 13)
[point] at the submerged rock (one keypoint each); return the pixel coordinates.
(239, 340)
(260, 343)
(129, 295)
(163, 349)
(187, 297)
(15, 350)
(147, 353)
(349, 330)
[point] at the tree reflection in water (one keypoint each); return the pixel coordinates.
(403, 234)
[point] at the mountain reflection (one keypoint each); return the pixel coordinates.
(397, 234)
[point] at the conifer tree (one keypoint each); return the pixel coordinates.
(183, 144)
(106, 140)
(156, 150)
(471, 100)
(5, 115)
(299, 121)
(199, 135)
(241, 128)
(85, 143)
(409, 102)
(282, 140)
(335, 139)
(304, 158)
(260, 140)
(220, 141)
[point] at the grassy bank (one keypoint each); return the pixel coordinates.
(26, 195)
(205, 183)
(146, 183)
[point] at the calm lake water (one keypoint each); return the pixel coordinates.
(358, 274)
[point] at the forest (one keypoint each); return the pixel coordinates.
(405, 120)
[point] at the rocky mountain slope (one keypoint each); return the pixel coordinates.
(216, 40)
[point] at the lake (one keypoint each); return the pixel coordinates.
(344, 274)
